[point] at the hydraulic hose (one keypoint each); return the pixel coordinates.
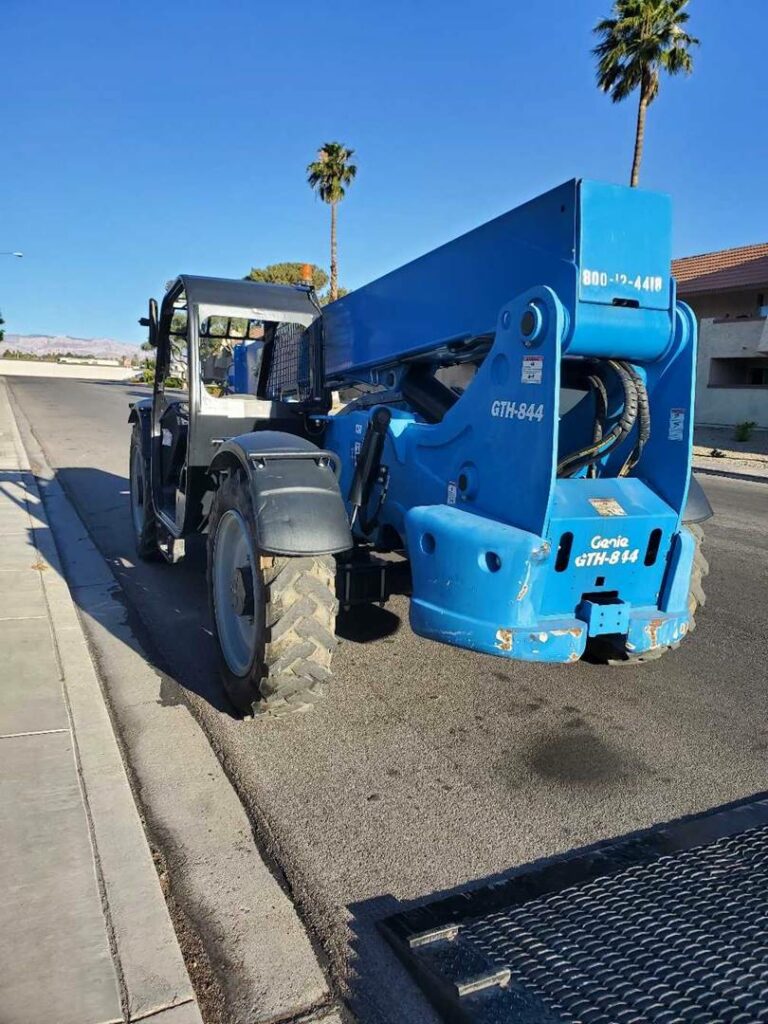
(644, 421)
(601, 414)
(584, 456)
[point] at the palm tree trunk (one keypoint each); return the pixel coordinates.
(334, 270)
(639, 134)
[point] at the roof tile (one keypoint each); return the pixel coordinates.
(742, 267)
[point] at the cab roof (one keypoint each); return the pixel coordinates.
(224, 291)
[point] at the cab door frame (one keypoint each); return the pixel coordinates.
(160, 404)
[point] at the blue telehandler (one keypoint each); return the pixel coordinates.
(501, 429)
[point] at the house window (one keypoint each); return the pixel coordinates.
(739, 372)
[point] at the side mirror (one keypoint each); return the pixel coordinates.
(151, 322)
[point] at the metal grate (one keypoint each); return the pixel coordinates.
(289, 371)
(683, 939)
(666, 928)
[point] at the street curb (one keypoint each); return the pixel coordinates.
(151, 972)
(731, 474)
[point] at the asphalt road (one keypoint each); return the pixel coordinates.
(428, 767)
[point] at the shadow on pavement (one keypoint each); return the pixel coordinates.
(164, 607)
(367, 623)
(137, 390)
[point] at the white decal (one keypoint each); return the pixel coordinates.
(676, 424)
(358, 428)
(641, 283)
(599, 542)
(607, 506)
(533, 366)
(517, 410)
(589, 559)
(452, 491)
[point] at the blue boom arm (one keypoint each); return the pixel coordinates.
(542, 506)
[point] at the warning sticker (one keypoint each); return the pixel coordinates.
(676, 424)
(607, 507)
(452, 492)
(533, 367)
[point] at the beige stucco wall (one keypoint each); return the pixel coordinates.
(724, 406)
(36, 368)
(726, 304)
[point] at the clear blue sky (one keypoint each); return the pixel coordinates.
(141, 140)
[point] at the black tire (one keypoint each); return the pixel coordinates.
(294, 613)
(142, 510)
(619, 657)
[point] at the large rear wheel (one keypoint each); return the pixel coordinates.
(142, 511)
(273, 617)
(613, 655)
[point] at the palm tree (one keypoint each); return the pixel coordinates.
(328, 176)
(643, 38)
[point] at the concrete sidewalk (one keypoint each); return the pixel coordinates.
(716, 451)
(85, 936)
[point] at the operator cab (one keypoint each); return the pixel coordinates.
(204, 325)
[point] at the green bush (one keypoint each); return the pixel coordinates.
(744, 430)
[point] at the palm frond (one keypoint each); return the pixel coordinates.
(641, 38)
(331, 171)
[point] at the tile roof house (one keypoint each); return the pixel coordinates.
(728, 291)
(743, 267)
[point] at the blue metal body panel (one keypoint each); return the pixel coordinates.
(457, 290)
(245, 364)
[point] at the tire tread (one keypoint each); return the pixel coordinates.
(300, 609)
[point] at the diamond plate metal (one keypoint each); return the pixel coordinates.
(662, 927)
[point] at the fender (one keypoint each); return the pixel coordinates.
(141, 413)
(697, 508)
(296, 498)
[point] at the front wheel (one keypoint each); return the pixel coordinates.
(142, 511)
(273, 616)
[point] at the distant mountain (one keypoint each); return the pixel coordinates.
(48, 344)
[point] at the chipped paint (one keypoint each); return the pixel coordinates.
(652, 629)
(574, 656)
(541, 553)
(504, 639)
(525, 586)
(573, 631)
